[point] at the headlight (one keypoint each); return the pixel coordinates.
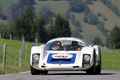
(36, 57)
(86, 57)
(35, 60)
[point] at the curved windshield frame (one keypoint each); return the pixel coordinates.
(65, 44)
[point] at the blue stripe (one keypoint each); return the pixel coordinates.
(72, 60)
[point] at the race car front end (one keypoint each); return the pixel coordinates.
(66, 60)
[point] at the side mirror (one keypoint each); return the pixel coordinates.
(34, 43)
(92, 44)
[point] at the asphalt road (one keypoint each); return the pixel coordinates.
(63, 75)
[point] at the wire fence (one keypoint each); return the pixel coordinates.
(104, 48)
(15, 55)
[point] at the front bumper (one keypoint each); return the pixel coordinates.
(63, 67)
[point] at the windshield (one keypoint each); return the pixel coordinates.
(64, 45)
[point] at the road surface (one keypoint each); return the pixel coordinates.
(63, 75)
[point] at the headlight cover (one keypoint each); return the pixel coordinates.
(36, 57)
(86, 57)
(35, 60)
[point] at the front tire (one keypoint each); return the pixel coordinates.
(98, 68)
(43, 72)
(34, 71)
(92, 70)
(37, 72)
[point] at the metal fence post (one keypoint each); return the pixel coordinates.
(4, 55)
(0, 36)
(10, 36)
(36, 40)
(20, 52)
(23, 40)
(14, 59)
(26, 52)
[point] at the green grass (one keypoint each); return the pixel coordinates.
(110, 61)
(12, 56)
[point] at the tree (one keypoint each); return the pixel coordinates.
(29, 2)
(29, 24)
(77, 5)
(59, 27)
(15, 10)
(41, 33)
(12, 13)
(113, 41)
(52, 29)
(98, 41)
(85, 19)
(46, 12)
(100, 26)
(24, 26)
(115, 37)
(93, 19)
(76, 32)
(1, 14)
(87, 10)
(4, 30)
(89, 1)
(62, 28)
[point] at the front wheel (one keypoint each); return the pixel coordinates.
(92, 70)
(34, 71)
(37, 72)
(98, 68)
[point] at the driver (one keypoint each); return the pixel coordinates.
(57, 45)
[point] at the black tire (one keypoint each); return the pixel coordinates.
(92, 70)
(98, 68)
(43, 72)
(34, 71)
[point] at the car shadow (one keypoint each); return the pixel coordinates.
(106, 74)
(79, 74)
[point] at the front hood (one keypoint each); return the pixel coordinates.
(61, 57)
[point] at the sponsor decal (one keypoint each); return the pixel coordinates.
(62, 56)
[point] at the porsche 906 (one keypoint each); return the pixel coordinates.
(65, 54)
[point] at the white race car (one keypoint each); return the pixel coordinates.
(62, 54)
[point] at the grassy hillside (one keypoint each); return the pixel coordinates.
(105, 12)
(62, 7)
(7, 3)
(116, 3)
(12, 56)
(89, 31)
(56, 6)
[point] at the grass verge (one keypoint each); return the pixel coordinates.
(111, 61)
(12, 56)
